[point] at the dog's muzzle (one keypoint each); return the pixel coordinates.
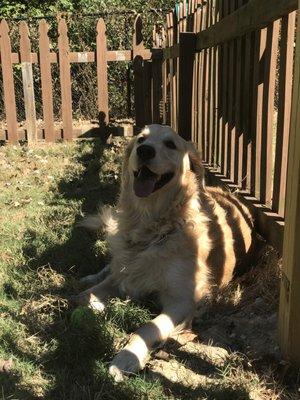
(145, 152)
(147, 182)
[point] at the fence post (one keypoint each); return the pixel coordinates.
(289, 316)
(28, 86)
(187, 47)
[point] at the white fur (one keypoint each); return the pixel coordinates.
(161, 244)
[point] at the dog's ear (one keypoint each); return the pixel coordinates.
(195, 162)
(128, 150)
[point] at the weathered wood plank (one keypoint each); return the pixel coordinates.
(210, 111)
(289, 316)
(147, 76)
(284, 110)
(102, 78)
(174, 37)
(171, 52)
(257, 111)
(65, 79)
(270, 69)
(171, 62)
(8, 83)
(224, 102)
(256, 14)
(168, 74)
(28, 86)
(248, 67)
(196, 28)
(231, 126)
(216, 98)
(202, 117)
(214, 90)
(46, 81)
(164, 80)
(137, 46)
(201, 21)
(138, 40)
(185, 84)
(156, 83)
(238, 133)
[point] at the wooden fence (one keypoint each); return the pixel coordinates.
(226, 78)
(45, 58)
(227, 81)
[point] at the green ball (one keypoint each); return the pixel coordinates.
(81, 316)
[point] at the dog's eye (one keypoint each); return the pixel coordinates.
(141, 139)
(170, 144)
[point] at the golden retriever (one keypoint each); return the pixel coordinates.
(169, 236)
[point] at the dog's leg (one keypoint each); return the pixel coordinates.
(135, 354)
(95, 278)
(96, 296)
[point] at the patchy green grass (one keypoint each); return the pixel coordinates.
(59, 353)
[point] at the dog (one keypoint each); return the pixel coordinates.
(169, 235)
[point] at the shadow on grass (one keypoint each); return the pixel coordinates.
(77, 351)
(213, 392)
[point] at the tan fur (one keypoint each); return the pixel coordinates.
(179, 243)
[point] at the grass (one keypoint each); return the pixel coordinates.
(59, 353)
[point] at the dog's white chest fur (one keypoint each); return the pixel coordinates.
(142, 259)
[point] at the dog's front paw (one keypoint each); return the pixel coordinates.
(88, 299)
(124, 363)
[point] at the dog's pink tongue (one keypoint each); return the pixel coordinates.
(144, 187)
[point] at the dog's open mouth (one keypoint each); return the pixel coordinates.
(147, 182)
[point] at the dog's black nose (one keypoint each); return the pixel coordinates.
(145, 152)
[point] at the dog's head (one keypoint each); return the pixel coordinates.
(158, 159)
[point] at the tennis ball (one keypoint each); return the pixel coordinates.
(81, 316)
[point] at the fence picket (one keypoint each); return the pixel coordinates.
(284, 110)
(196, 28)
(157, 66)
(258, 88)
(102, 79)
(65, 79)
(247, 112)
(232, 134)
(216, 104)
(28, 87)
(211, 83)
(223, 110)
(270, 64)
(240, 135)
(147, 76)
(46, 81)
(164, 80)
(137, 47)
(8, 83)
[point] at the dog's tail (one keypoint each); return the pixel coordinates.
(103, 221)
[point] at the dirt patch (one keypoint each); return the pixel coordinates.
(233, 342)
